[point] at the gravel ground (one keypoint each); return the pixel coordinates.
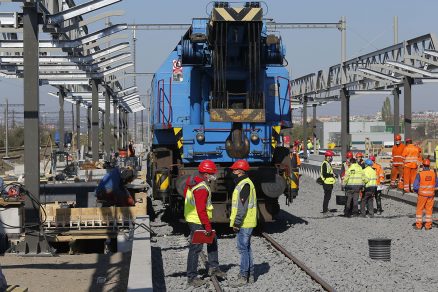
(337, 247)
(84, 272)
(273, 271)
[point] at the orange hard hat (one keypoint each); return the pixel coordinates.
(240, 164)
(349, 155)
(373, 158)
(397, 137)
(359, 154)
(329, 153)
(426, 162)
(207, 166)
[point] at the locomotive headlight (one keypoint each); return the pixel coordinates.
(200, 137)
(254, 137)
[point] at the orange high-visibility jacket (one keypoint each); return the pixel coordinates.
(411, 156)
(380, 173)
(427, 183)
(397, 151)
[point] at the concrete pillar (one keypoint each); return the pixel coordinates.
(31, 110)
(345, 122)
(305, 127)
(89, 129)
(396, 93)
(61, 96)
(95, 119)
(78, 128)
(107, 131)
(407, 96)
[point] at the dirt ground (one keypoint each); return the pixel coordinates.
(85, 272)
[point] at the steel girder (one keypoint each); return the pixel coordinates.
(378, 71)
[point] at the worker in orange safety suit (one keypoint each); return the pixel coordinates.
(397, 162)
(380, 180)
(411, 157)
(425, 185)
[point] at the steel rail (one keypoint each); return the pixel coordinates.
(214, 280)
(299, 263)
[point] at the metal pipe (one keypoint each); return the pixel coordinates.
(345, 122)
(115, 124)
(314, 128)
(78, 129)
(89, 129)
(95, 120)
(395, 30)
(107, 130)
(305, 127)
(6, 128)
(343, 29)
(61, 96)
(396, 94)
(407, 96)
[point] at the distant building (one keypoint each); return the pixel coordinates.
(376, 132)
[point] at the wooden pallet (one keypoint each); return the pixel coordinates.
(103, 217)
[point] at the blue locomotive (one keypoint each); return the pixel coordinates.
(222, 94)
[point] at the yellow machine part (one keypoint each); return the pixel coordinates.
(295, 181)
(162, 181)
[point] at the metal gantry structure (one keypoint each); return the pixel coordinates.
(72, 60)
(385, 71)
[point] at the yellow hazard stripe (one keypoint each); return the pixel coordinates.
(224, 14)
(251, 14)
(178, 137)
(275, 135)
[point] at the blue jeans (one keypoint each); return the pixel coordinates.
(195, 249)
(244, 248)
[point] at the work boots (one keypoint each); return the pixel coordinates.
(239, 282)
(217, 272)
(196, 282)
(251, 279)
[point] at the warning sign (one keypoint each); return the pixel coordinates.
(177, 72)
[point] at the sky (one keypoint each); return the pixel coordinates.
(369, 27)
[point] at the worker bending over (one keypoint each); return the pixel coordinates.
(425, 185)
(112, 189)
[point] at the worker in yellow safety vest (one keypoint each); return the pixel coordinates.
(370, 189)
(295, 162)
(354, 181)
(243, 219)
(328, 179)
(198, 212)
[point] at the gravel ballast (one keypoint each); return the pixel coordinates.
(335, 247)
(273, 271)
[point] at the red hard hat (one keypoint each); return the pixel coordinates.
(329, 153)
(408, 140)
(349, 155)
(373, 158)
(426, 162)
(207, 166)
(359, 154)
(397, 137)
(296, 142)
(240, 164)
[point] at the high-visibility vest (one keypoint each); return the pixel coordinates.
(328, 180)
(371, 175)
(250, 219)
(355, 176)
(295, 163)
(427, 183)
(309, 145)
(411, 156)
(397, 151)
(436, 156)
(380, 173)
(190, 212)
